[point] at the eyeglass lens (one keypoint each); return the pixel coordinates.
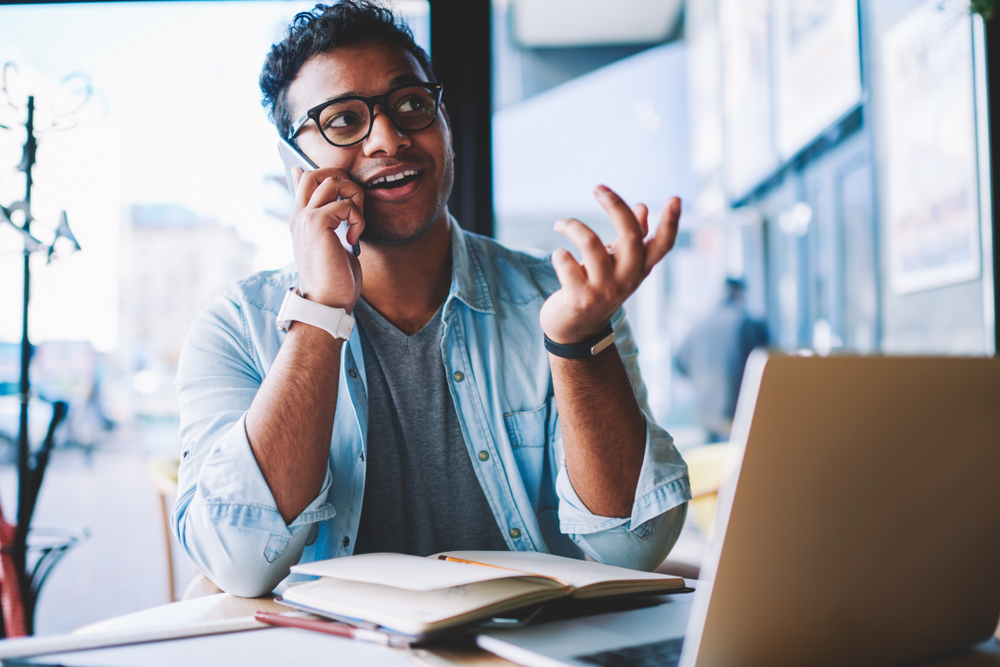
(347, 121)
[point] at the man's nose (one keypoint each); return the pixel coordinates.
(385, 137)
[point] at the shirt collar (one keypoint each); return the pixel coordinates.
(468, 284)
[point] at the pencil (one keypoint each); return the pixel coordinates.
(333, 628)
(455, 559)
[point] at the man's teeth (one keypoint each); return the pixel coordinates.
(393, 177)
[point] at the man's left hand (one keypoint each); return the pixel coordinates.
(592, 290)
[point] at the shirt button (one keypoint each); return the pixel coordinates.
(459, 376)
(347, 542)
(484, 456)
(515, 533)
(353, 373)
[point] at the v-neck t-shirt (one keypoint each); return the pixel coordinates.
(421, 494)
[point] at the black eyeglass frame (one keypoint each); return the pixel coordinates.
(370, 102)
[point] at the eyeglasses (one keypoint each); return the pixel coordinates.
(348, 120)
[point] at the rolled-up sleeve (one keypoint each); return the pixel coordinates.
(225, 516)
(642, 540)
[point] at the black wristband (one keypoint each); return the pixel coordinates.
(588, 348)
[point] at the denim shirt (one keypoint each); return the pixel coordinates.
(498, 373)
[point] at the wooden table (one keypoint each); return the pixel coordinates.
(325, 649)
(224, 606)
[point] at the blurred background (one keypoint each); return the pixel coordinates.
(832, 157)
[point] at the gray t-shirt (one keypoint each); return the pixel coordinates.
(421, 493)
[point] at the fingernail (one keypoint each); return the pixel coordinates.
(559, 225)
(602, 189)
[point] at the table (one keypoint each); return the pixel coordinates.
(268, 646)
(291, 646)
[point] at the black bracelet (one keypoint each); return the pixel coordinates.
(588, 348)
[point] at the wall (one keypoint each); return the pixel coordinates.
(829, 284)
(947, 319)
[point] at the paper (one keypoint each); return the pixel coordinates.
(416, 612)
(27, 646)
(266, 648)
(401, 571)
(575, 573)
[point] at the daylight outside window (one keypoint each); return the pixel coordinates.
(152, 138)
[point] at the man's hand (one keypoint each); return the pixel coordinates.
(290, 422)
(328, 273)
(593, 290)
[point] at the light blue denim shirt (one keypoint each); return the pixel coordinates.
(499, 377)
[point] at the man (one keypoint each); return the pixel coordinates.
(440, 421)
(714, 355)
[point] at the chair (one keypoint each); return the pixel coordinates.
(706, 466)
(162, 473)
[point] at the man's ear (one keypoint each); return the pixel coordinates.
(447, 122)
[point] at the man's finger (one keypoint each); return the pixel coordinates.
(596, 260)
(630, 233)
(641, 213)
(304, 187)
(346, 210)
(331, 189)
(571, 275)
(351, 190)
(334, 182)
(666, 235)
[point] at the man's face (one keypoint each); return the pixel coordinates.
(395, 211)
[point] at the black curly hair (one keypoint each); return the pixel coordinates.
(320, 30)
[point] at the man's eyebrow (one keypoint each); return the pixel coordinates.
(393, 82)
(404, 78)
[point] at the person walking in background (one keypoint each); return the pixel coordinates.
(714, 356)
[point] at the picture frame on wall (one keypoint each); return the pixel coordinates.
(929, 169)
(748, 115)
(701, 28)
(817, 69)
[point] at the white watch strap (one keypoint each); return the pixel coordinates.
(295, 308)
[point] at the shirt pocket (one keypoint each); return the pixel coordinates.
(527, 429)
(528, 435)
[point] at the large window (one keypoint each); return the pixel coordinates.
(589, 102)
(152, 139)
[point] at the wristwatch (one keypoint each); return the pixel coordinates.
(296, 308)
(588, 348)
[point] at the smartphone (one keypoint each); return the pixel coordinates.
(292, 157)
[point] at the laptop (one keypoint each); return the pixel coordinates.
(858, 524)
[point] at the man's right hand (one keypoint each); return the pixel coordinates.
(328, 273)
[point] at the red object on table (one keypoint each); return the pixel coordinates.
(10, 587)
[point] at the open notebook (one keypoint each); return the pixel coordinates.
(420, 596)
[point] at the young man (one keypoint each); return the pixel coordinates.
(441, 421)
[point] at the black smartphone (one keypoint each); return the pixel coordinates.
(293, 157)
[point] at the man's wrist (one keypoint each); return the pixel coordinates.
(296, 308)
(328, 300)
(588, 347)
(315, 339)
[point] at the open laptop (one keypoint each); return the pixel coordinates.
(858, 524)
